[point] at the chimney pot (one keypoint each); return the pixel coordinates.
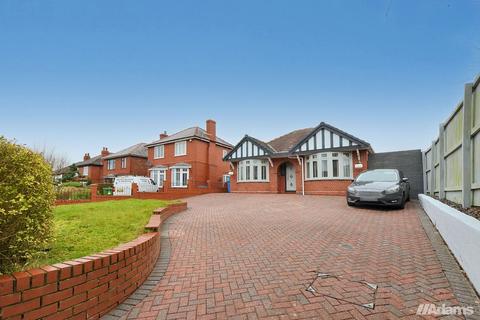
(211, 127)
(86, 156)
(105, 152)
(163, 135)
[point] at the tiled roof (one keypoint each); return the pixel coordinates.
(287, 141)
(193, 132)
(95, 161)
(137, 150)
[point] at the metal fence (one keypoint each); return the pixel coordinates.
(452, 163)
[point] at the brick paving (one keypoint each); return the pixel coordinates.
(252, 257)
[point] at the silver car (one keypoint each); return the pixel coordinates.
(381, 186)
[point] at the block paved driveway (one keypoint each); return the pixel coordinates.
(242, 256)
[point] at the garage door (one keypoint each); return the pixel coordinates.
(409, 161)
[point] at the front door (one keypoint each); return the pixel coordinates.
(290, 178)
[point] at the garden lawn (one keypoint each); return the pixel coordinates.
(87, 228)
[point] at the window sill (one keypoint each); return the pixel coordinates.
(254, 181)
(158, 158)
(179, 155)
(180, 187)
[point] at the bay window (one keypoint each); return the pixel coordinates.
(179, 177)
(252, 171)
(333, 165)
(159, 176)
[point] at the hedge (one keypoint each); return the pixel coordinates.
(26, 203)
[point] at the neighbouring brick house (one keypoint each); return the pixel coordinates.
(321, 160)
(189, 161)
(130, 161)
(92, 168)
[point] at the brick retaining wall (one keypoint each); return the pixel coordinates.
(84, 288)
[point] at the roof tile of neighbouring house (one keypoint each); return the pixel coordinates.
(288, 141)
(95, 161)
(137, 150)
(193, 132)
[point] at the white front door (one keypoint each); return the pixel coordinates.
(290, 178)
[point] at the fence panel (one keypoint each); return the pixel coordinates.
(476, 144)
(454, 173)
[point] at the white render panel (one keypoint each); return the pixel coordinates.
(260, 152)
(304, 147)
(327, 139)
(311, 144)
(255, 150)
(319, 140)
(336, 141)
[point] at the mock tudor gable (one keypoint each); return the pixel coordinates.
(250, 147)
(328, 138)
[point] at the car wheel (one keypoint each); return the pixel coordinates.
(402, 204)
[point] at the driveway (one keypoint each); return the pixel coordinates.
(254, 256)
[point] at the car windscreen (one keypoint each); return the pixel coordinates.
(379, 176)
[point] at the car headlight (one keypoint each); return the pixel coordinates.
(351, 189)
(393, 189)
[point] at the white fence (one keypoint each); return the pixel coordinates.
(452, 162)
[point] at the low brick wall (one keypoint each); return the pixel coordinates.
(83, 288)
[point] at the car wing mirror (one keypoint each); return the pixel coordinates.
(405, 179)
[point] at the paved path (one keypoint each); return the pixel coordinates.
(253, 256)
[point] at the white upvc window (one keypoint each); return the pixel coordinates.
(180, 148)
(111, 164)
(85, 171)
(253, 170)
(180, 177)
(158, 152)
(124, 163)
(329, 165)
(159, 176)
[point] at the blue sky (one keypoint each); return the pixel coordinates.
(79, 75)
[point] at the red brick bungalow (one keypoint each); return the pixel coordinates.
(189, 161)
(130, 161)
(321, 160)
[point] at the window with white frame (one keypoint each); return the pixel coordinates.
(179, 177)
(252, 170)
(124, 163)
(158, 152)
(329, 165)
(85, 171)
(180, 148)
(224, 154)
(159, 176)
(111, 164)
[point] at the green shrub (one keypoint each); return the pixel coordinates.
(26, 202)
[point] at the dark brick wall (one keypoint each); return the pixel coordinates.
(409, 161)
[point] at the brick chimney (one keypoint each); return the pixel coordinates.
(105, 152)
(86, 156)
(163, 135)
(212, 129)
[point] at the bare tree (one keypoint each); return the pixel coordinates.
(56, 160)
